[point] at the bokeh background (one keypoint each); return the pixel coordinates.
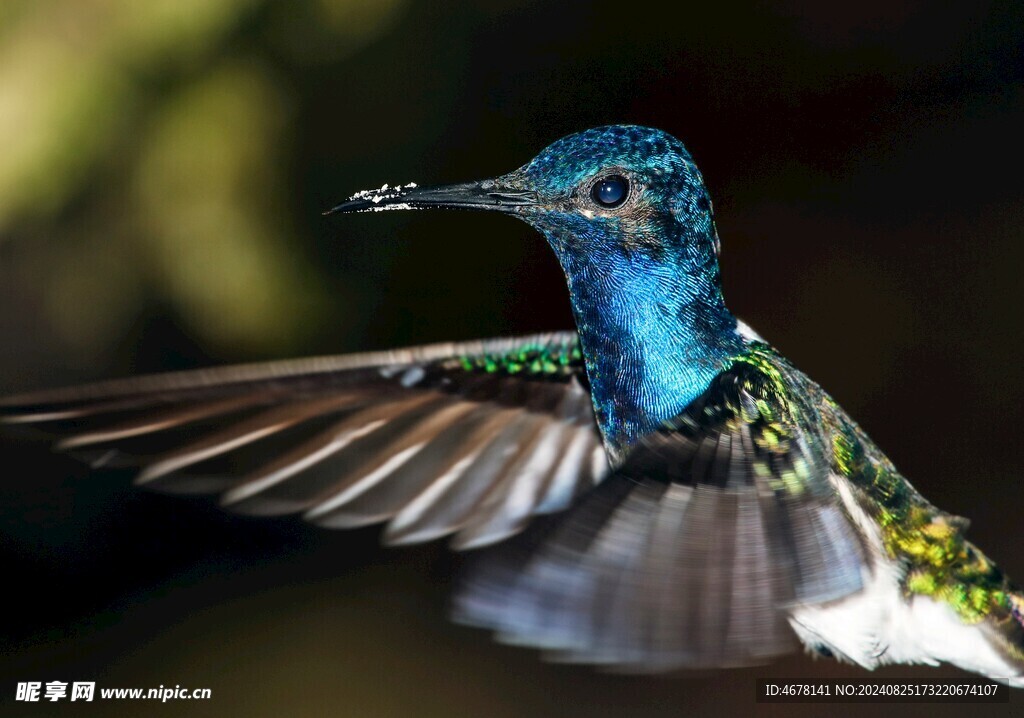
(163, 171)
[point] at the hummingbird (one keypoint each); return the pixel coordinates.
(657, 489)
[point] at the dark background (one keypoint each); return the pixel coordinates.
(163, 173)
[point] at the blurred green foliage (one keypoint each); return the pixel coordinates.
(151, 135)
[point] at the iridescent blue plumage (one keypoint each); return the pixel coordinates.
(643, 277)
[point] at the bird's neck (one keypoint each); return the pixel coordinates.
(654, 333)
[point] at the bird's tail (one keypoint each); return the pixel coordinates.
(986, 602)
(1004, 628)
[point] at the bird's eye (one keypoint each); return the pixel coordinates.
(610, 191)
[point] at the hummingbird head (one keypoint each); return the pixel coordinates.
(619, 190)
(626, 212)
(602, 197)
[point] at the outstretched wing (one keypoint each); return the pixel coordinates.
(471, 438)
(690, 554)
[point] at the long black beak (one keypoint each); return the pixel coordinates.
(468, 195)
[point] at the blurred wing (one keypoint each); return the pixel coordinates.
(471, 438)
(691, 553)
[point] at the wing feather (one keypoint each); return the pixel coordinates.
(470, 439)
(692, 553)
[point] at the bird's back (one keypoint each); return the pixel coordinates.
(928, 594)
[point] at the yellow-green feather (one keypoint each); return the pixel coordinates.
(940, 562)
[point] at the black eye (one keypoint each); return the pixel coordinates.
(610, 191)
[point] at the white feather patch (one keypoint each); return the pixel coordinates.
(879, 626)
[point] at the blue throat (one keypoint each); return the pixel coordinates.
(654, 332)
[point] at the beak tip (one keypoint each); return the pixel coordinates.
(350, 205)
